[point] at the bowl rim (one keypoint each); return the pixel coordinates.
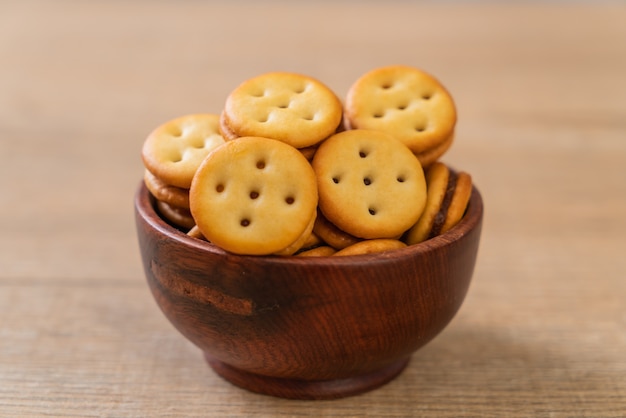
(145, 208)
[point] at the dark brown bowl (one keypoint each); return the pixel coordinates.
(307, 328)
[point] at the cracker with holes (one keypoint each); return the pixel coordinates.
(292, 108)
(407, 103)
(173, 151)
(370, 184)
(255, 196)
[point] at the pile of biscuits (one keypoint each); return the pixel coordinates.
(286, 168)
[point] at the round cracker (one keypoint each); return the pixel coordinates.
(404, 101)
(312, 241)
(173, 195)
(300, 242)
(460, 199)
(225, 130)
(370, 184)
(448, 195)
(427, 158)
(177, 216)
(254, 196)
(194, 232)
(293, 108)
(437, 177)
(321, 251)
(173, 151)
(331, 235)
(371, 246)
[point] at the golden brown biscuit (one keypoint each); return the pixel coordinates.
(298, 243)
(293, 108)
(173, 195)
(254, 196)
(225, 130)
(370, 184)
(174, 150)
(322, 251)
(309, 152)
(313, 240)
(430, 156)
(371, 246)
(458, 201)
(194, 232)
(331, 235)
(448, 196)
(176, 216)
(405, 102)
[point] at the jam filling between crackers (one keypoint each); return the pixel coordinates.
(440, 218)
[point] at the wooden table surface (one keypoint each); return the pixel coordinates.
(541, 96)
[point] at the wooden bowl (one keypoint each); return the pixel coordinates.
(307, 328)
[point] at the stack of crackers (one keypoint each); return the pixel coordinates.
(286, 168)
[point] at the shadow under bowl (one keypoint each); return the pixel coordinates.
(307, 327)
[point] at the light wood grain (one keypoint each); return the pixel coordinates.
(541, 95)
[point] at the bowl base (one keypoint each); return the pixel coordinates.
(307, 389)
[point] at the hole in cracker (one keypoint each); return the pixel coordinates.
(176, 158)
(400, 179)
(254, 194)
(176, 131)
(300, 89)
(290, 200)
(199, 142)
(244, 222)
(402, 106)
(367, 181)
(219, 188)
(427, 96)
(420, 128)
(362, 154)
(372, 211)
(379, 115)
(260, 164)
(263, 119)
(386, 86)
(283, 106)
(258, 93)
(336, 180)
(308, 117)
